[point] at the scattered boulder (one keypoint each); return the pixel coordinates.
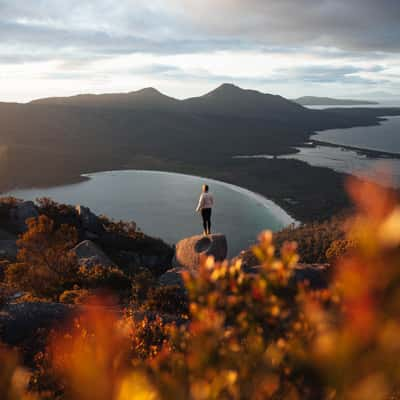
(20, 213)
(173, 277)
(189, 251)
(90, 255)
(90, 221)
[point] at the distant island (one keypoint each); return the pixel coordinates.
(328, 101)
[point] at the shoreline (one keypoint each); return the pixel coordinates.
(369, 153)
(281, 213)
(292, 205)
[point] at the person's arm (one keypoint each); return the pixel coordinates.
(201, 203)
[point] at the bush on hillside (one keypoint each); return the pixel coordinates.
(61, 214)
(45, 265)
(167, 299)
(142, 282)
(101, 277)
(314, 240)
(338, 249)
(75, 296)
(249, 336)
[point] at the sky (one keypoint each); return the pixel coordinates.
(184, 48)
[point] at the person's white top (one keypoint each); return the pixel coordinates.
(206, 201)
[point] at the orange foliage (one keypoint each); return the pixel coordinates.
(45, 265)
(256, 336)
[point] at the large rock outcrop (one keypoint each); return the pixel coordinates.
(190, 251)
(172, 277)
(90, 222)
(90, 255)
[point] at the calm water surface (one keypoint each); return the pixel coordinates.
(163, 204)
(384, 137)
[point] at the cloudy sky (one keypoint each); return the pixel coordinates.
(187, 47)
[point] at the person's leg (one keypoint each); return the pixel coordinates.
(209, 220)
(204, 216)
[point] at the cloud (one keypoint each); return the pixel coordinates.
(253, 42)
(356, 25)
(179, 26)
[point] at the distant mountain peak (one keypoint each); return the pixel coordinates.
(227, 88)
(148, 90)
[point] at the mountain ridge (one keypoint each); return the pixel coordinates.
(226, 99)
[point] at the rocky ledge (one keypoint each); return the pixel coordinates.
(190, 251)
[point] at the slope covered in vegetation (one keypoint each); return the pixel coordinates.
(243, 336)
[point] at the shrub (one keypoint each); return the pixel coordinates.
(121, 227)
(75, 296)
(167, 299)
(61, 214)
(45, 265)
(142, 282)
(101, 277)
(338, 249)
(313, 239)
(253, 336)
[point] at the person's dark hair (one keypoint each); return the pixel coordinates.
(205, 188)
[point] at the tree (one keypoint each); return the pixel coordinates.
(45, 265)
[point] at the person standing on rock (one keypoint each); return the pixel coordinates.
(206, 203)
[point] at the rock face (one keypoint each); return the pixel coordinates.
(189, 251)
(90, 255)
(90, 221)
(173, 277)
(20, 213)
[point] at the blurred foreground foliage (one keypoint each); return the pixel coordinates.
(246, 336)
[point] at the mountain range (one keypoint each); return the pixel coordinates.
(227, 99)
(54, 140)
